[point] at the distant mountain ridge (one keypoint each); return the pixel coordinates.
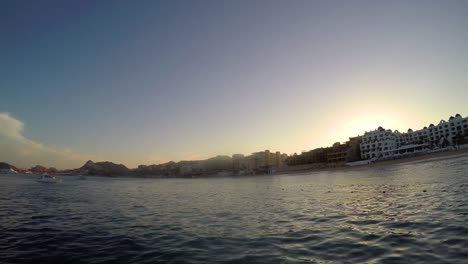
(104, 168)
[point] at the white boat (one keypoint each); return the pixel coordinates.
(48, 179)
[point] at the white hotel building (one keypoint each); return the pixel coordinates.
(388, 144)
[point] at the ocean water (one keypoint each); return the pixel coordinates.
(407, 213)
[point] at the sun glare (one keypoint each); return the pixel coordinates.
(362, 122)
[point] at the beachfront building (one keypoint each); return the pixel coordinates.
(379, 143)
(266, 159)
(318, 155)
(387, 144)
(337, 153)
(238, 162)
(258, 161)
(346, 152)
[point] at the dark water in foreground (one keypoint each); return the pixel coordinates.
(414, 213)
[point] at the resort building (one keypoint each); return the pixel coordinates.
(237, 162)
(318, 155)
(338, 153)
(387, 144)
(263, 160)
(346, 152)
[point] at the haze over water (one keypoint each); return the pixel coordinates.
(407, 213)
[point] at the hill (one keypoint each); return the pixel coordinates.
(104, 168)
(6, 168)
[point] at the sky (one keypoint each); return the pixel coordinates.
(145, 82)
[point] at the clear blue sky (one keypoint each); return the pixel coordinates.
(142, 82)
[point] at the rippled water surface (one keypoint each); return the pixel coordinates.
(412, 213)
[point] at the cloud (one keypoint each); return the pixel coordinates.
(18, 150)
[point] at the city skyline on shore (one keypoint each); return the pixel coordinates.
(150, 82)
(12, 130)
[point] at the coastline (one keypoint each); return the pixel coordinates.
(309, 168)
(423, 158)
(450, 154)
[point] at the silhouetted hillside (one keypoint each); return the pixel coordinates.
(104, 168)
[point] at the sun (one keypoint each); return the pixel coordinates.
(361, 122)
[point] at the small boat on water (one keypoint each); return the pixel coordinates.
(46, 178)
(81, 177)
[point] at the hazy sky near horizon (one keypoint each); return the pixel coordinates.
(143, 82)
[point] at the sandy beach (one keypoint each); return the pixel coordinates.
(408, 160)
(422, 158)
